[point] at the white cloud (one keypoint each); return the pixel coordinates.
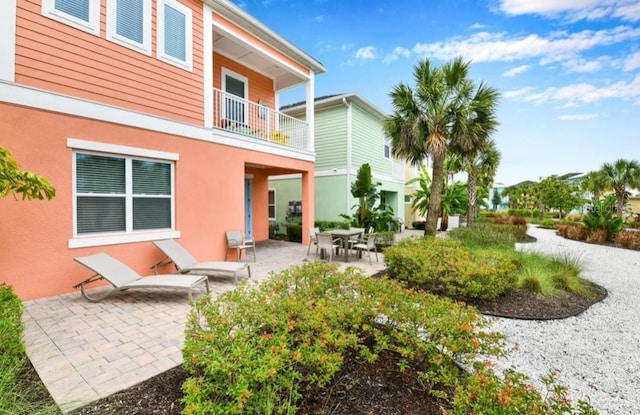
(578, 117)
(397, 53)
(585, 93)
(632, 62)
(477, 26)
(367, 53)
(574, 10)
(558, 46)
(584, 66)
(517, 92)
(511, 73)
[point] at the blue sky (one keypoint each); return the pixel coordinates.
(568, 70)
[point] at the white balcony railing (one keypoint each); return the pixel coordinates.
(256, 120)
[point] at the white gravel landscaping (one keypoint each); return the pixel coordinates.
(597, 353)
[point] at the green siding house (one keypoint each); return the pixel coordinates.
(348, 133)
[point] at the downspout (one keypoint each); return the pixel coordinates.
(349, 151)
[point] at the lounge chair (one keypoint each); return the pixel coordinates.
(123, 278)
(185, 262)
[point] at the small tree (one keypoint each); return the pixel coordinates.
(17, 182)
(496, 200)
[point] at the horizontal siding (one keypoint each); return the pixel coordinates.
(56, 57)
(368, 142)
(331, 138)
(260, 86)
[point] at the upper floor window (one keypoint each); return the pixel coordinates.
(129, 23)
(174, 33)
(82, 14)
(387, 147)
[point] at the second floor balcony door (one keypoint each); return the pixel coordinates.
(235, 88)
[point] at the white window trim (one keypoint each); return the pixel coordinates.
(275, 204)
(188, 63)
(145, 46)
(386, 143)
(84, 146)
(228, 72)
(92, 26)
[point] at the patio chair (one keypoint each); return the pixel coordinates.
(356, 239)
(123, 278)
(368, 246)
(185, 262)
(236, 241)
(312, 239)
(325, 243)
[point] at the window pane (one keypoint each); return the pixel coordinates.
(151, 178)
(175, 33)
(272, 212)
(129, 19)
(75, 8)
(100, 214)
(272, 197)
(99, 174)
(151, 213)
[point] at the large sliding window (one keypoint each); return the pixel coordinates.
(122, 194)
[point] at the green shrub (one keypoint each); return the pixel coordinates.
(294, 232)
(487, 235)
(332, 224)
(257, 348)
(601, 217)
(548, 224)
(485, 393)
(444, 266)
(419, 225)
(17, 396)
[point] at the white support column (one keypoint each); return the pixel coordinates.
(8, 16)
(310, 111)
(208, 65)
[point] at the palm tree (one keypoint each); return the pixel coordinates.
(445, 114)
(593, 182)
(481, 167)
(618, 176)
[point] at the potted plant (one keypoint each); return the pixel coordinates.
(279, 137)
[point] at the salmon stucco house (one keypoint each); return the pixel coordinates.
(153, 119)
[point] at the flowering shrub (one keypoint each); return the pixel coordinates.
(255, 349)
(484, 393)
(444, 266)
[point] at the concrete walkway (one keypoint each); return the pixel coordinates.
(85, 351)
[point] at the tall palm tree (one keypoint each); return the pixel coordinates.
(445, 114)
(481, 167)
(620, 175)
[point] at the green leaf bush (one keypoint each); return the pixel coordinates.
(258, 348)
(446, 267)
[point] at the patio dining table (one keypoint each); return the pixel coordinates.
(345, 234)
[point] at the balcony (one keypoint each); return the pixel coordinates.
(251, 119)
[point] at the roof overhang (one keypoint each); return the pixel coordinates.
(228, 43)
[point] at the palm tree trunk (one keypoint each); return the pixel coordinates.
(619, 201)
(437, 174)
(471, 195)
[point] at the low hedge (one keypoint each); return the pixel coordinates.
(444, 266)
(257, 348)
(12, 351)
